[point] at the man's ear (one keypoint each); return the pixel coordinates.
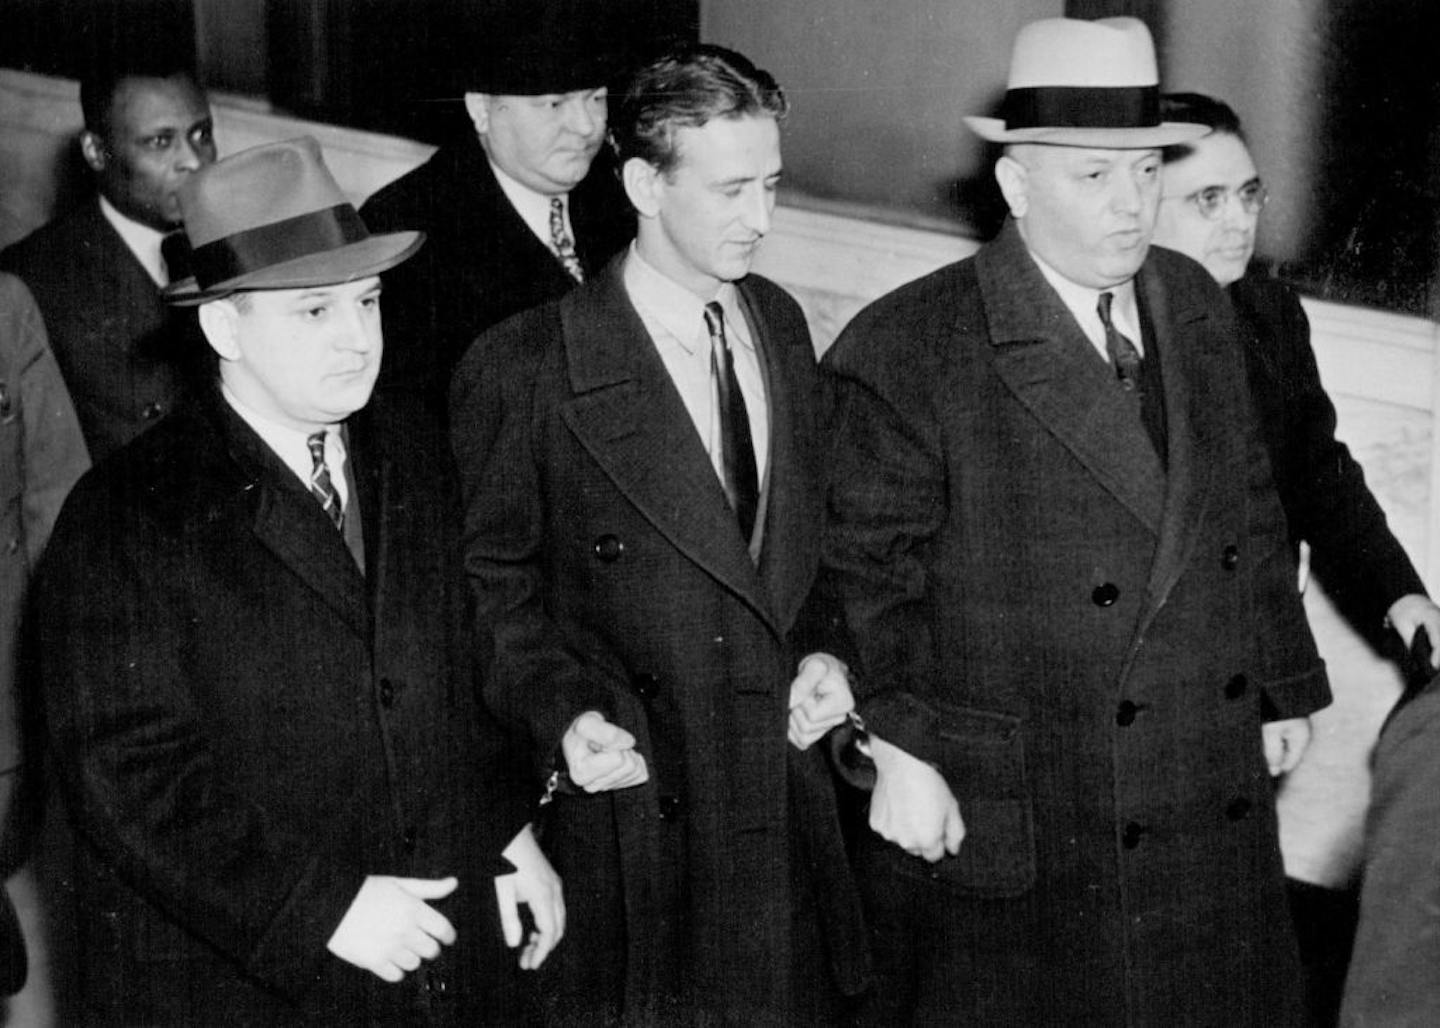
(477, 105)
(642, 185)
(219, 320)
(92, 148)
(1013, 179)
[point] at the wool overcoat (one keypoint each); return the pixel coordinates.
(126, 356)
(246, 726)
(480, 263)
(611, 575)
(1083, 637)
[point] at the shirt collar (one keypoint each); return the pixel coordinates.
(533, 207)
(290, 444)
(142, 240)
(676, 309)
(1083, 303)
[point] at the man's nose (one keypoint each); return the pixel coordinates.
(188, 156)
(581, 117)
(759, 210)
(1126, 193)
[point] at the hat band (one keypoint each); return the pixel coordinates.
(267, 245)
(1106, 107)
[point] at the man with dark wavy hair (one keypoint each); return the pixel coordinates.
(641, 470)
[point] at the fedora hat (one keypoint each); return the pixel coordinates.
(1084, 83)
(272, 217)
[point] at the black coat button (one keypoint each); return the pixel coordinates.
(669, 808)
(1230, 557)
(1235, 688)
(1105, 595)
(1130, 838)
(1125, 714)
(407, 839)
(646, 685)
(609, 548)
(1237, 809)
(387, 693)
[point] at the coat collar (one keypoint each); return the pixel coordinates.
(626, 412)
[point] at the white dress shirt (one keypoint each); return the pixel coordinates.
(1084, 304)
(533, 207)
(292, 446)
(143, 241)
(675, 319)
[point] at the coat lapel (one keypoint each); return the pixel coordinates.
(1044, 358)
(1179, 319)
(288, 522)
(629, 417)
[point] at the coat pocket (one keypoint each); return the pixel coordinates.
(982, 756)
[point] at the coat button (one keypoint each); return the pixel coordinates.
(646, 685)
(1235, 688)
(407, 839)
(609, 548)
(669, 808)
(387, 693)
(1105, 595)
(1237, 809)
(12, 546)
(1230, 557)
(1130, 838)
(1125, 714)
(152, 411)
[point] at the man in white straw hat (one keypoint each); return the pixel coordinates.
(255, 668)
(1053, 530)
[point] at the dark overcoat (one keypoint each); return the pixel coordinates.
(1084, 641)
(126, 356)
(612, 576)
(1362, 566)
(481, 263)
(246, 726)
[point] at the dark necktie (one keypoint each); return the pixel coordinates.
(1123, 355)
(175, 252)
(560, 239)
(320, 485)
(737, 450)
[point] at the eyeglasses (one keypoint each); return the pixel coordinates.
(1211, 200)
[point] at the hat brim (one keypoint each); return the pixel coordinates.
(1167, 133)
(343, 264)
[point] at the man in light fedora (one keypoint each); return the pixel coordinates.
(1054, 533)
(524, 203)
(255, 669)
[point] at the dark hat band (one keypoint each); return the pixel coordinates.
(1101, 107)
(276, 243)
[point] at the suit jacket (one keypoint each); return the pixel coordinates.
(125, 355)
(611, 575)
(480, 263)
(1362, 566)
(41, 456)
(1084, 642)
(1394, 974)
(246, 727)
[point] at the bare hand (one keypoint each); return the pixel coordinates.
(1285, 743)
(389, 928)
(1416, 611)
(820, 697)
(536, 885)
(912, 806)
(601, 756)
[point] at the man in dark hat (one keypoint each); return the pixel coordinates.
(518, 210)
(1081, 655)
(256, 680)
(96, 271)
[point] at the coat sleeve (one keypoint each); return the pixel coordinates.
(536, 679)
(886, 500)
(1354, 554)
(144, 787)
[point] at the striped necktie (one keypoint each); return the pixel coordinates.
(321, 487)
(742, 487)
(560, 239)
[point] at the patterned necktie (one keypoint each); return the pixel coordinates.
(737, 454)
(561, 241)
(320, 485)
(1123, 355)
